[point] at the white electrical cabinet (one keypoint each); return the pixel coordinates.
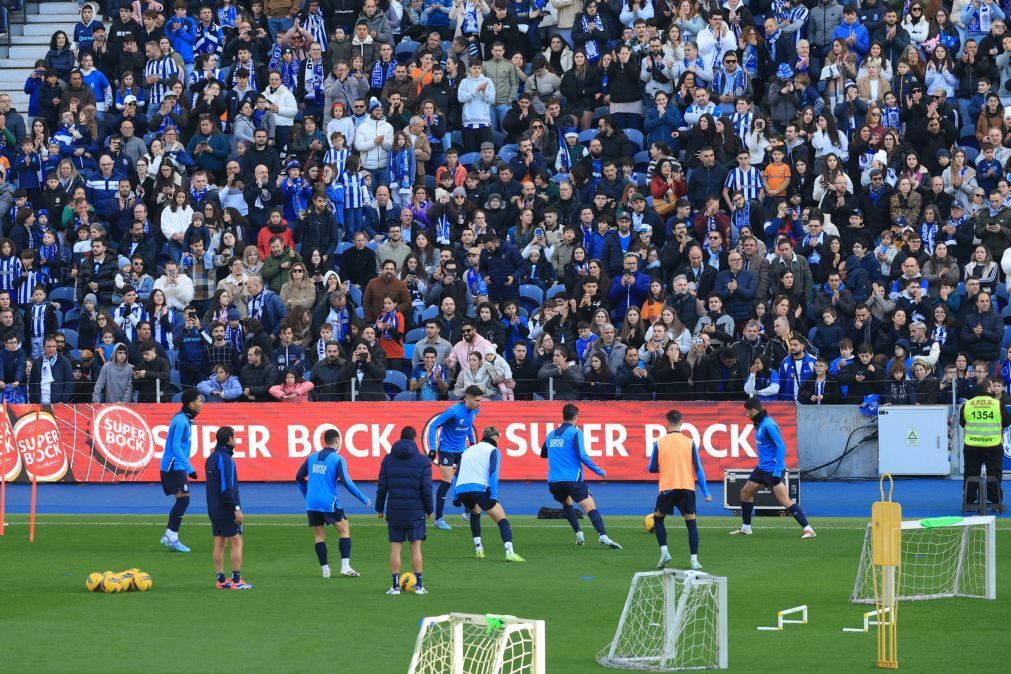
(913, 440)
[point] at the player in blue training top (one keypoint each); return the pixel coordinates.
(676, 458)
(317, 478)
(771, 466)
(455, 431)
(566, 454)
(476, 487)
(176, 467)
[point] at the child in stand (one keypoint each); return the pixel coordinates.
(295, 189)
(390, 328)
(40, 320)
(50, 256)
(24, 285)
(777, 174)
(402, 168)
(504, 373)
(10, 265)
(337, 154)
(107, 347)
(28, 169)
(357, 197)
(317, 351)
(585, 342)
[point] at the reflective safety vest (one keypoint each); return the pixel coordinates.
(982, 422)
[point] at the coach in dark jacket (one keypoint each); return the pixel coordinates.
(982, 331)
(501, 264)
(257, 376)
(404, 491)
(61, 387)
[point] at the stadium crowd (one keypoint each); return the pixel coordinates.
(342, 199)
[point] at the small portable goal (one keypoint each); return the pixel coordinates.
(941, 557)
(672, 620)
(465, 643)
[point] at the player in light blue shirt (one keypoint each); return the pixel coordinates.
(565, 451)
(771, 465)
(476, 487)
(448, 435)
(176, 467)
(318, 478)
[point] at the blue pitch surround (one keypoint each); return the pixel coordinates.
(919, 498)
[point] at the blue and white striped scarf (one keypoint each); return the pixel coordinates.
(314, 24)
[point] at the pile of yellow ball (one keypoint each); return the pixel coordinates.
(124, 581)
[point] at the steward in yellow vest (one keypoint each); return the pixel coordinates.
(984, 420)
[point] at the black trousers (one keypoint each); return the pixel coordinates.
(973, 458)
(472, 138)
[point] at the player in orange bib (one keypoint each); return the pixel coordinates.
(676, 458)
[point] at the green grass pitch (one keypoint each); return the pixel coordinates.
(295, 621)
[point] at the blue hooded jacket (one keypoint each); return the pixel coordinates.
(404, 490)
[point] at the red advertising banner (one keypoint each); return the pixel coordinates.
(119, 443)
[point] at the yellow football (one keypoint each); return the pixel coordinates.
(647, 522)
(93, 582)
(408, 581)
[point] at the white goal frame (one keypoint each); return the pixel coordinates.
(956, 586)
(441, 647)
(680, 589)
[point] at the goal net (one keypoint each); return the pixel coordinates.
(941, 557)
(463, 643)
(672, 620)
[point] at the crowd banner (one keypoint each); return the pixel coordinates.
(124, 443)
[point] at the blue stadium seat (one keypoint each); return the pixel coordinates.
(531, 296)
(642, 157)
(971, 154)
(408, 352)
(405, 396)
(395, 382)
(173, 356)
(560, 177)
(75, 354)
(636, 137)
(429, 181)
(1005, 313)
(360, 313)
(507, 153)
(1006, 342)
(415, 335)
(71, 315)
(430, 312)
(71, 336)
(498, 138)
(601, 111)
(556, 289)
(64, 297)
(587, 135)
(356, 295)
(343, 246)
(405, 50)
(59, 318)
(177, 398)
(174, 378)
(470, 158)
(456, 139)
(372, 245)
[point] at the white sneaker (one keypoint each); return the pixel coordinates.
(466, 516)
(741, 532)
(696, 565)
(420, 590)
(604, 540)
(579, 538)
(808, 533)
(441, 524)
(350, 573)
(326, 571)
(393, 591)
(664, 560)
(165, 540)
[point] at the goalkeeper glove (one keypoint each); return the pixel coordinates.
(193, 474)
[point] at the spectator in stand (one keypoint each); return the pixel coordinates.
(221, 386)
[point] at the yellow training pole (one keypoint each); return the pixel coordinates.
(886, 556)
